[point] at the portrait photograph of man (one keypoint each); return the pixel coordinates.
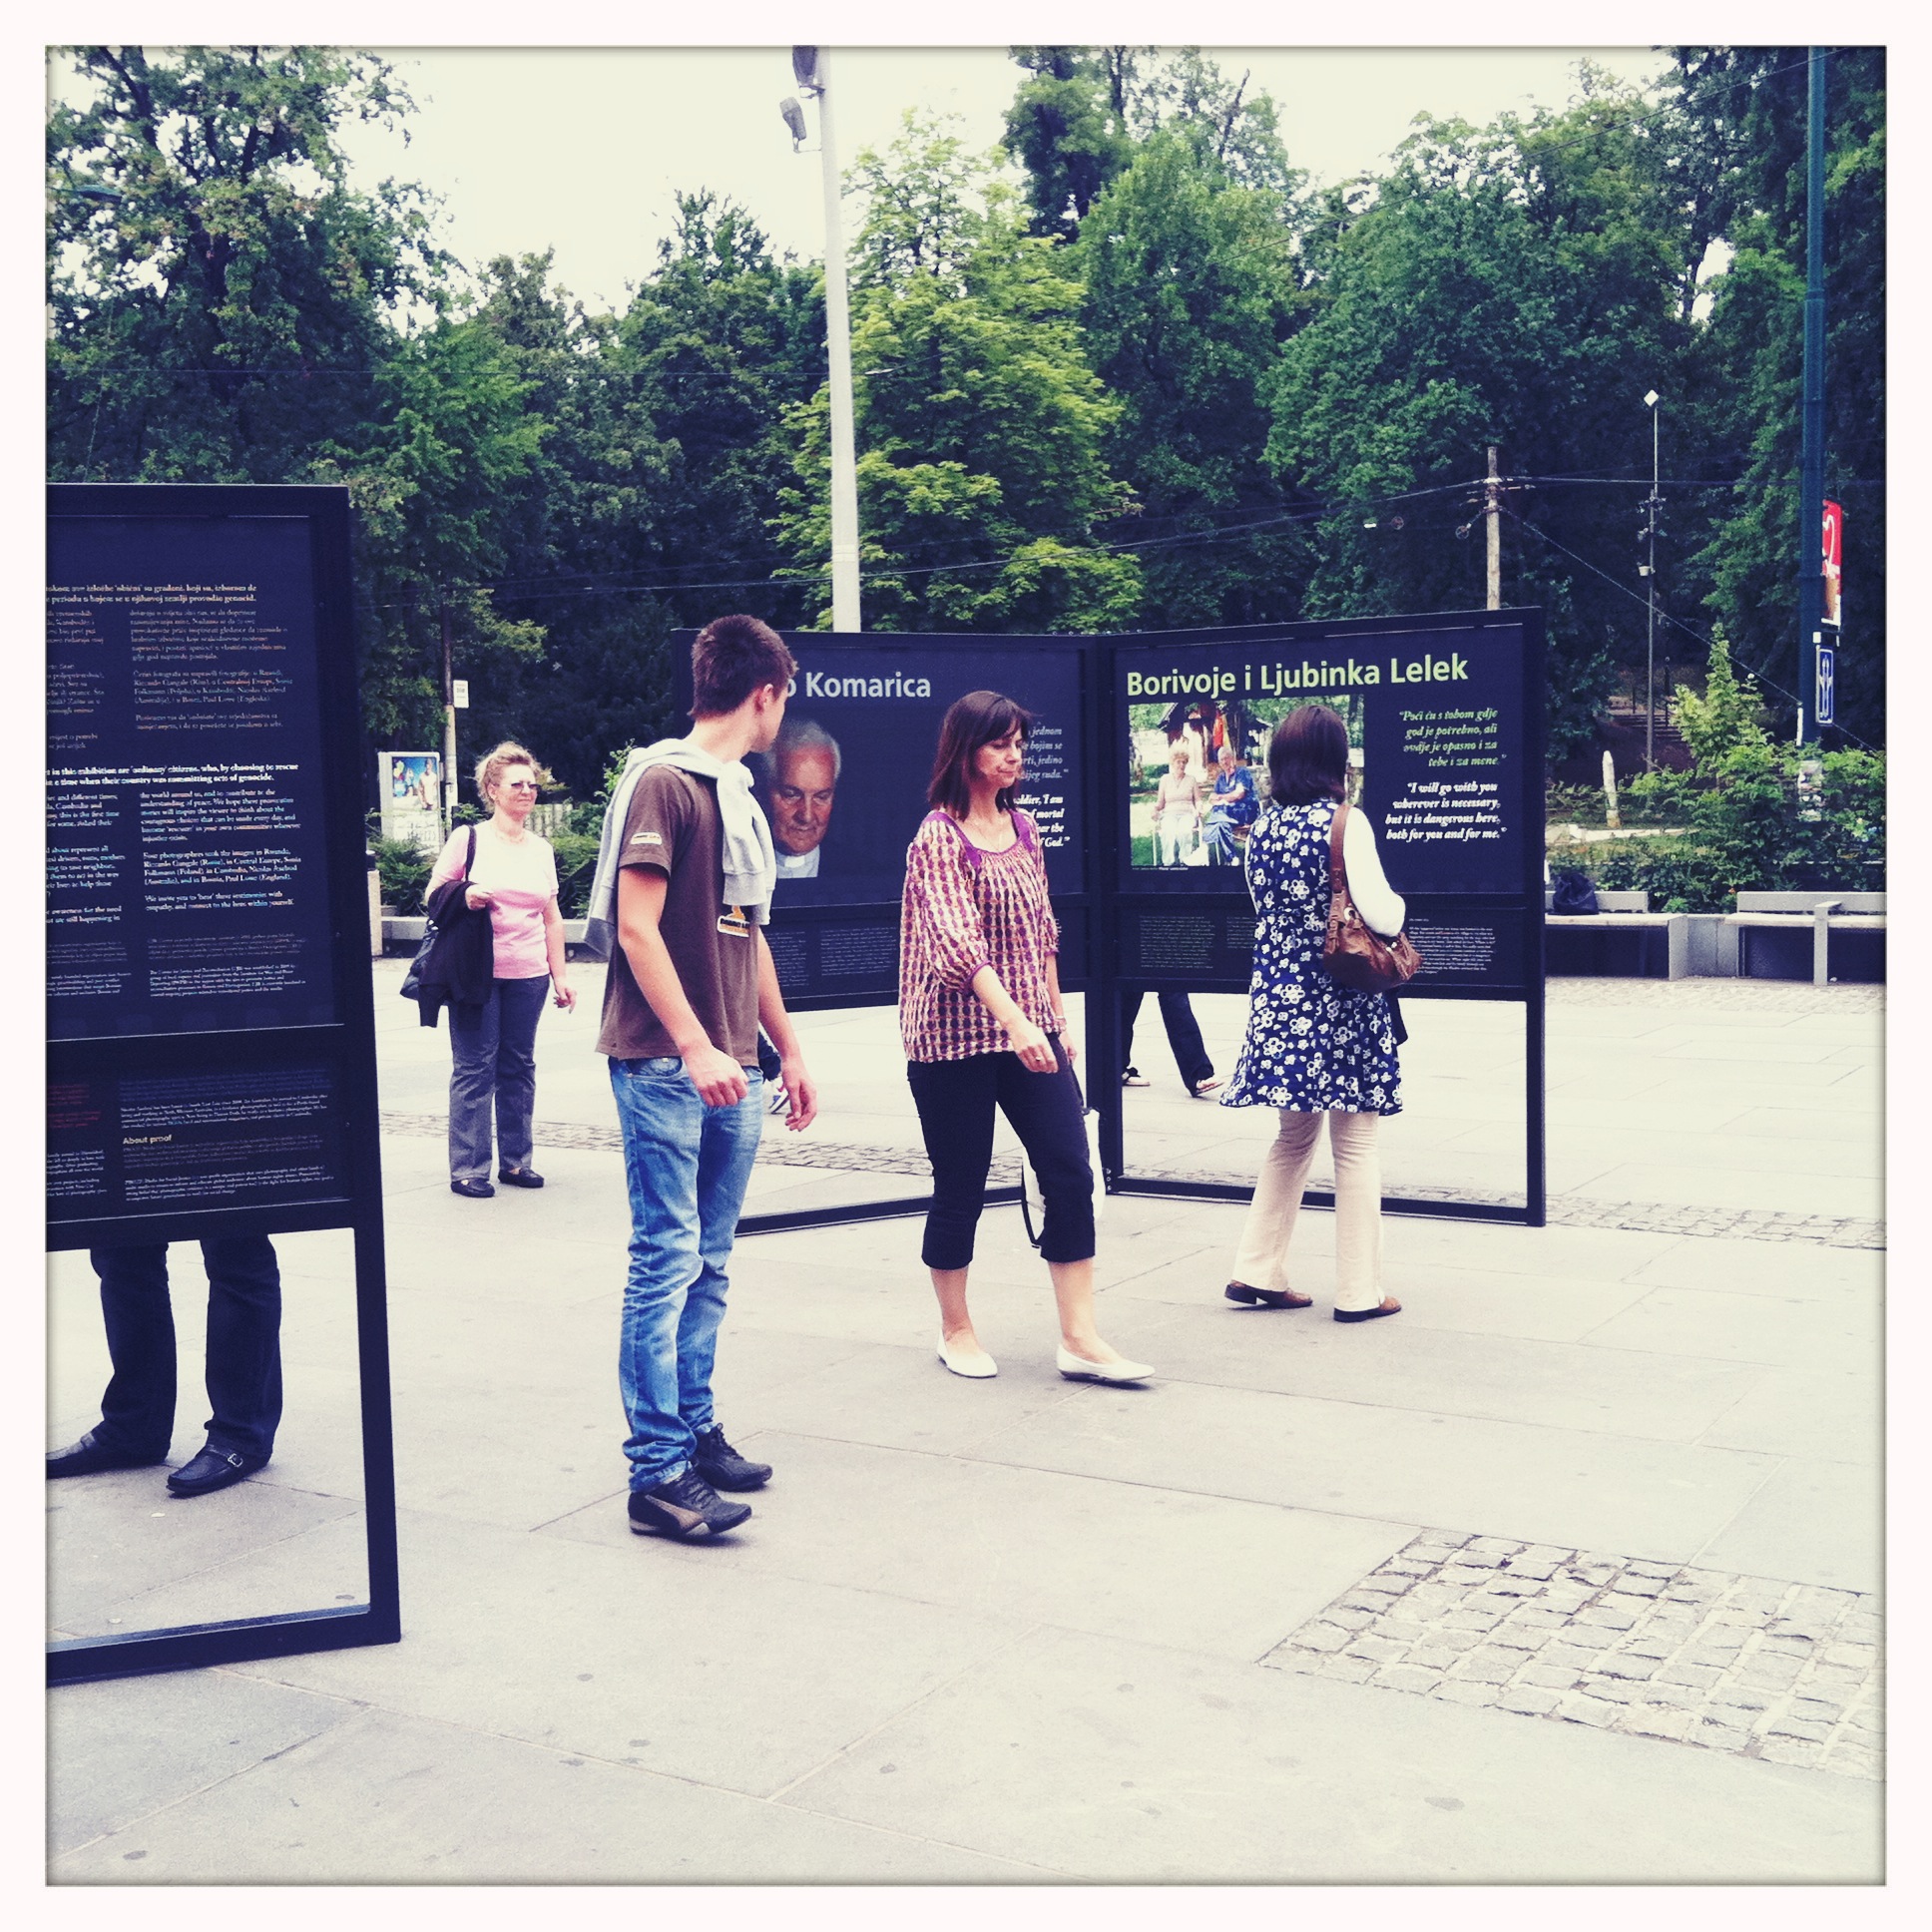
(800, 782)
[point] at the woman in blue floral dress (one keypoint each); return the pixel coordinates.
(1314, 1050)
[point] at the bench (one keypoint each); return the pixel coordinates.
(1770, 929)
(1618, 913)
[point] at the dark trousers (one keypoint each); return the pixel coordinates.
(956, 1099)
(493, 1064)
(243, 1345)
(1184, 1035)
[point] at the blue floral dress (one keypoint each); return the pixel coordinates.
(1311, 1046)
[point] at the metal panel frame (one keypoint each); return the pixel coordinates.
(1100, 905)
(348, 1047)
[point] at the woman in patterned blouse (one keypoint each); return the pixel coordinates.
(981, 1015)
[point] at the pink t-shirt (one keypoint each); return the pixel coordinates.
(522, 881)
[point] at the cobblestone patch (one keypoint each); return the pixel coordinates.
(1791, 1673)
(1567, 1210)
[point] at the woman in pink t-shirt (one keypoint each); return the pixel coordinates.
(494, 1045)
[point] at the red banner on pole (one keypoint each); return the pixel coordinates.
(1834, 557)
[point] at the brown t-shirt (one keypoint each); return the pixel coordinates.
(674, 826)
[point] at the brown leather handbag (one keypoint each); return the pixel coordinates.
(1353, 955)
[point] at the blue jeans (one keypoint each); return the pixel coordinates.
(243, 1345)
(686, 1166)
(493, 1049)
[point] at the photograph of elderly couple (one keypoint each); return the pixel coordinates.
(1197, 773)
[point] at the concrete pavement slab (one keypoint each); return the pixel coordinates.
(669, 1654)
(120, 1752)
(1123, 1762)
(1793, 1271)
(1590, 1489)
(1785, 1330)
(1806, 1412)
(1554, 1384)
(1053, 1549)
(1814, 1522)
(383, 1799)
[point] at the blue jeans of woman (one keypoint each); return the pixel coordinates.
(956, 1099)
(493, 1048)
(686, 1166)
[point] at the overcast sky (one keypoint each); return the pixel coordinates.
(580, 149)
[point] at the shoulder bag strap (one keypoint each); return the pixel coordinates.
(1337, 872)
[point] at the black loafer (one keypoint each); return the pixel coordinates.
(723, 1468)
(473, 1189)
(1266, 1297)
(519, 1177)
(213, 1469)
(91, 1454)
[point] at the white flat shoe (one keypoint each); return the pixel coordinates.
(1077, 1368)
(977, 1366)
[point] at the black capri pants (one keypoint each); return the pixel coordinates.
(955, 1099)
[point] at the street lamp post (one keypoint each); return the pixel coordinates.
(1650, 578)
(810, 67)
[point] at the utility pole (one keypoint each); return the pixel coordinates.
(1492, 518)
(811, 68)
(1812, 688)
(1650, 506)
(449, 724)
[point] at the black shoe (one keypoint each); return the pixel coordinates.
(722, 1467)
(472, 1190)
(1266, 1297)
(686, 1506)
(91, 1454)
(519, 1177)
(1134, 1077)
(213, 1469)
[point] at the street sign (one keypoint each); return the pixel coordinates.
(459, 694)
(1827, 679)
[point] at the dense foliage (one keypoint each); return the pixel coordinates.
(1130, 370)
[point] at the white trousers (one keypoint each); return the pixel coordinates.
(1177, 838)
(1262, 1260)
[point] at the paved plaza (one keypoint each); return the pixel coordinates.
(1571, 1574)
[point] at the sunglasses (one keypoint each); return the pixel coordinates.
(519, 785)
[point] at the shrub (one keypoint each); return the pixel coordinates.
(403, 868)
(576, 867)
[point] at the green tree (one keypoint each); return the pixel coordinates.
(980, 427)
(224, 309)
(1508, 285)
(1191, 293)
(1744, 114)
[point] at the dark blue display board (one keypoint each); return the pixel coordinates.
(1445, 720)
(211, 1035)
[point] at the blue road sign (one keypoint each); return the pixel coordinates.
(1828, 680)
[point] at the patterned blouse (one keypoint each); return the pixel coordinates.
(964, 908)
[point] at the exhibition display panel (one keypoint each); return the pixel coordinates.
(211, 1037)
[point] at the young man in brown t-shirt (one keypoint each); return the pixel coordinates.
(690, 980)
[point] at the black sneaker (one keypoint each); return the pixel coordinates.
(686, 1506)
(1134, 1077)
(722, 1467)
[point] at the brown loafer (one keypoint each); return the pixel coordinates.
(1268, 1298)
(1387, 1307)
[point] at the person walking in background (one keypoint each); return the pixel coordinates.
(493, 1046)
(1183, 1039)
(1313, 1049)
(1177, 810)
(244, 1370)
(983, 1024)
(682, 891)
(1235, 803)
